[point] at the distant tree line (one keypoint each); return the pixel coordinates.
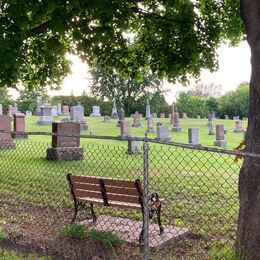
(233, 103)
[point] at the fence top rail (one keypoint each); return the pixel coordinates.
(143, 139)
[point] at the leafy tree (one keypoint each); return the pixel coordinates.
(5, 99)
(27, 98)
(174, 38)
(107, 83)
(212, 104)
(192, 105)
(235, 103)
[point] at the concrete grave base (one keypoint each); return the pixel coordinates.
(220, 143)
(83, 126)
(239, 131)
(176, 129)
(7, 145)
(162, 139)
(129, 230)
(65, 154)
(19, 136)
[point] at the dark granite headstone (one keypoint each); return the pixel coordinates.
(65, 148)
(6, 140)
(19, 126)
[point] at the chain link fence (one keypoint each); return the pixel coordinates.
(160, 200)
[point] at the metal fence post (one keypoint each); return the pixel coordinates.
(146, 200)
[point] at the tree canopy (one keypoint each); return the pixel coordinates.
(174, 39)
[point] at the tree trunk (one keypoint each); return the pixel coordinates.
(248, 232)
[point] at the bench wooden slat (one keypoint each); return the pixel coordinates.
(119, 183)
(111, 196)
(108, 181)
(123, 191)
(84, 179)
(87, 194)
(86, 186)
(116, 204)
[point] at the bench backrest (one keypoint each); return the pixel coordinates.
(111, 191)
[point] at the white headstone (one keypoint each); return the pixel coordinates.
(1, 109)
(220, 136)
(77, 116)
(95, 111)
(193, 136)
(162, 133)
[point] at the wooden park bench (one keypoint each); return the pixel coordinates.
(126, 194)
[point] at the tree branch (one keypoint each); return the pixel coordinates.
(40, 29)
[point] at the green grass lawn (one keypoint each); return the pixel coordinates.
(97, 126)
(199, 188)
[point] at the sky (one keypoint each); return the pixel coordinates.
(234, 68)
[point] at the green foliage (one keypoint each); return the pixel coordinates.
(192, 105)
(86, 102)
(3, 235)
(235, 102)
(73, 231)
(107, 83)
(106, 238)
(221, 251)
(5, 99)
(27, 98)
(174, 39)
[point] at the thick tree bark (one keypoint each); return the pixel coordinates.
(248, 233)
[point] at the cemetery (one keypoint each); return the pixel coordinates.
(98, 156)
(154, 154)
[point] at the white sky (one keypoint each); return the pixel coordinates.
(234, 68)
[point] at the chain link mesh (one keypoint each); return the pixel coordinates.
(197, 191)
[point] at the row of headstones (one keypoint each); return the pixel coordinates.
(193, 133)
(6, 138)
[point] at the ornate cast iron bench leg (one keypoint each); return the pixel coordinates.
(94, 217)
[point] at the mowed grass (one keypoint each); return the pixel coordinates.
(199, 188)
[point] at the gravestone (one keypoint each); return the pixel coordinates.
(150, 125)
(59, 109)
(238, 126)
(220, 136)
(226, 117)
(28, 113)
(46, 117)
(209, 119)
(133, 147)
(65, 111)
(6, 141)
(65, 148)
(77, 116)
(114, 114)
(154, 115)
(136, 120)
(162, 133)
(106, 119)
(125, 129)
(213, 114)
(173, 110)
(211, 128)
(15, 108)
(147, 110)
(121, 114)
(162, 115)
(170, 116)
(95, 111)
(1, 109)
(19, 126)
(10, 111)
(176, 124)
(38, 108)
(193, 136)
(54, 110)
(184, 115)
(198, 116)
